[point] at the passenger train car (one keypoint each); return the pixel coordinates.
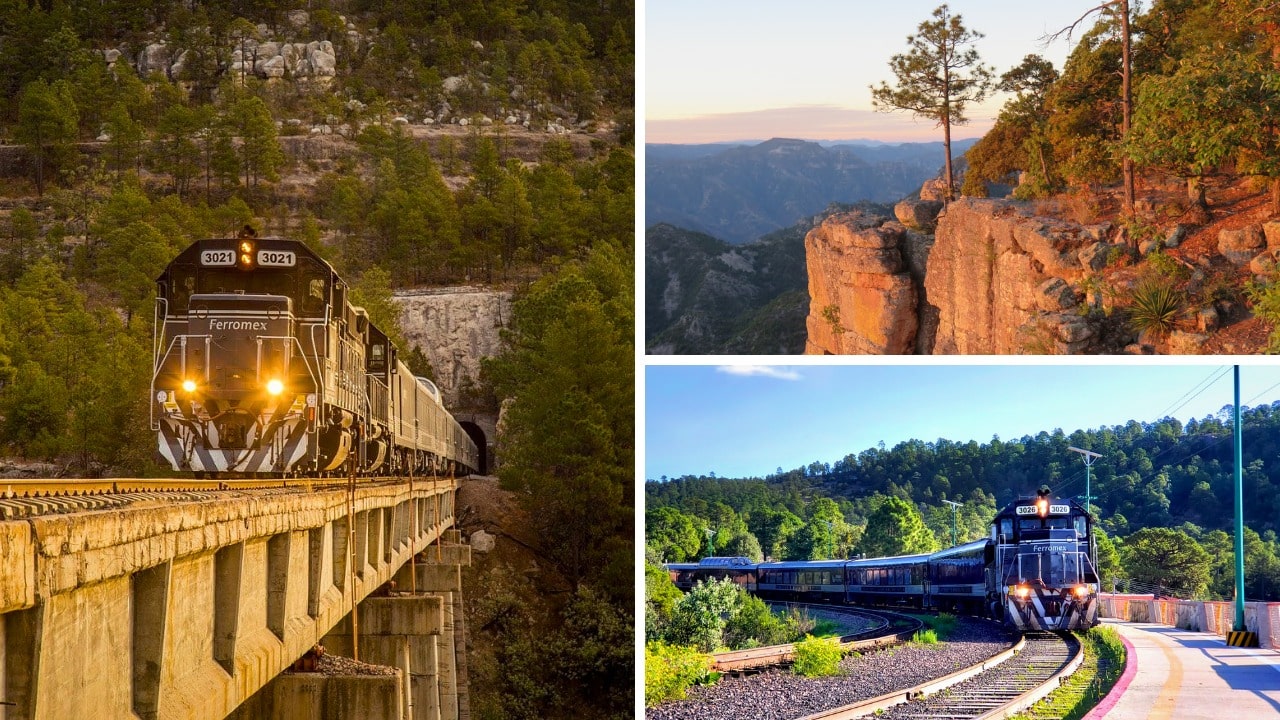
(262, 366)
(738, 569)
(1036, 571)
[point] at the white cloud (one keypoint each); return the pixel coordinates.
(759, 371)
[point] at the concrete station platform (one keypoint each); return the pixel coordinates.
(1183, 675)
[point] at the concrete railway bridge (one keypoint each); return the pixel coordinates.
(196, 603)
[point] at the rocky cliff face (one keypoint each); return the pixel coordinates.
(455, 328)
(863, 299)
(993, 279)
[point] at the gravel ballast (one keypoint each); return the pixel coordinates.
(777, 694)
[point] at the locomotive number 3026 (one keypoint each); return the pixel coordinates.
(276, 258)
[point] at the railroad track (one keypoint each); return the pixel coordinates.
(23, 498)
(877, 636)
(1005, 684)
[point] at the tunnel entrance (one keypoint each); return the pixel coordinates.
(477, 436)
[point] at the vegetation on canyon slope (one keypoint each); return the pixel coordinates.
(86, 224)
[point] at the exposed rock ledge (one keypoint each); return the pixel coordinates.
(994, 279)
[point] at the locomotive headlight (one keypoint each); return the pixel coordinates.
(1081, 591)
(189, 385)
(1021, 592)
(1042, 507)
(275, 387)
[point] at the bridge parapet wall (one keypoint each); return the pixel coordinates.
(184, 610)
(1199, 616)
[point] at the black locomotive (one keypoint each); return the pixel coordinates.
(1036, 571)
(262, 366)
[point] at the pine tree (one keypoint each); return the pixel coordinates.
(937, 77)
(47, 124)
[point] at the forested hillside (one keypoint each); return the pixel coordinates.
(1162, 490)
(410, 144)
(389, 158)
(1165, 138)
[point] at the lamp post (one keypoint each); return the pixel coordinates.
(954, 506)
(1238, 436)
(1089, 457)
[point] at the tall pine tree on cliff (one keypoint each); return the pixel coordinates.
(937, 77)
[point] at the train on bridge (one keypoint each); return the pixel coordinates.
(1036, 571)
(264, 368)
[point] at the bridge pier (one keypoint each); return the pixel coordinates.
(419, 633)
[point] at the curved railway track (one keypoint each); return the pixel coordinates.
(882, 634)
(1005, 684)
(23, 498)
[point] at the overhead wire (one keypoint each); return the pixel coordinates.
(1156, 470)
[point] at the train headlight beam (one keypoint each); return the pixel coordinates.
(189, 385)
(275, 387)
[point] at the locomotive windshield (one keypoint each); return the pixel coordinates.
(1057, 565)
(307, 285)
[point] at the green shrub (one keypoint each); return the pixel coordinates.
(754, 624)
(670, 670)
(1156, 306)
(1265, 298)
(816, 657)
(925, 637)
(700, 616)
(944, 624)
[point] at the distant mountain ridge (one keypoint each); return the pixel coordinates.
(704, 296)
(739, 193)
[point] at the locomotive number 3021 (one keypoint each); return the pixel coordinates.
(217, 258)
(276, 258)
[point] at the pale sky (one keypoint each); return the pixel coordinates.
(742, 421)
(719, 70)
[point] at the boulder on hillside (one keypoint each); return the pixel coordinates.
(1095, 256)
(1241, 245)
(934, 189)
(918, 214)
(1055, 294)
(1271, 231)
(481, 541)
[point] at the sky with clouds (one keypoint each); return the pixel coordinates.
(748, 420)
(716, 70)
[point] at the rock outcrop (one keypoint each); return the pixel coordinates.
(862, 298)
(455, 328)
(993, 279)
(990, 276)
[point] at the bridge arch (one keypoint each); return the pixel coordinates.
(476, 433)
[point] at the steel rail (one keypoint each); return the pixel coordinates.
(31, 497)
(1005, 696)
(762, 657)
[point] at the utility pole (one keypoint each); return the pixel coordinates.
(1239, 626)
(711, 543)
(954, 506)
(1089, 457)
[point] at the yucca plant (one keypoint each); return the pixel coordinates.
(1156, 306)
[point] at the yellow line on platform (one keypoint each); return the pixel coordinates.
(1163, 707)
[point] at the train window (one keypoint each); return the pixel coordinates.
(184, 284)
(1029, 524)
(314, 286)
(1058, 523)
(1006, 528)
(1081, 526)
